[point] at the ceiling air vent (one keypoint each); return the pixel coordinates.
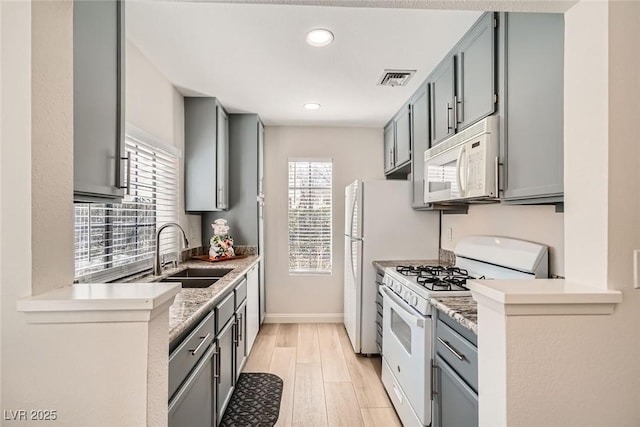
(396, 77)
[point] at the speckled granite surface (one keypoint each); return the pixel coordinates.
(382, 264)
(463, 310)
(193, 304)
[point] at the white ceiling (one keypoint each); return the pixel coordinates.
(253, 57)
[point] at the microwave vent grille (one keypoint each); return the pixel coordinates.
(395, 77)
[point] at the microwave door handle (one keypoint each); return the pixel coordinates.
(461, 189)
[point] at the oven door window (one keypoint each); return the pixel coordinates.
(401, 330)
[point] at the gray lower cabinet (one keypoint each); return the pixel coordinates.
(253, 306)
(457, 402)
(241, 338)
(420, 143)
(226, 380)
(193, 367)
(98, 100)
(194, 403)
(206, 150)
(455, 364)
(532, 48)
(244, 175)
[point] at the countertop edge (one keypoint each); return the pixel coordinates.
(543, 297)
(178, 330)
(456, 314)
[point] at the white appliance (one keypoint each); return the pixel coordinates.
(379, 224)
(464, 166)
(406, 337)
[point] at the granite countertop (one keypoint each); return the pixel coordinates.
(462, 309)
(382, 264)
(192, 304)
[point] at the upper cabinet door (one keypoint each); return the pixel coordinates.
(98, 100)
(533, 51)
(476, 73)
(420, 142)
(389, 147)
(223, 160)
(206, 155)
(442, 100)
(403, 136)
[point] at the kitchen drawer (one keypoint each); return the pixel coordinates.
(241, 293)
(453, 324)
(184, 357)
(459, 353)
(224, 312)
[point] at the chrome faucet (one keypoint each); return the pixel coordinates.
(157, 267)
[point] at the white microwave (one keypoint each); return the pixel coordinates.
(464, 166)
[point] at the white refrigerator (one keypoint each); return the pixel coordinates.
(379, 225)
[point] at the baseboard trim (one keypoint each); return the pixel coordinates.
(304, 318)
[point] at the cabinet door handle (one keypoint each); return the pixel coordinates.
(127, 174)
(235, 332)
(455, 352)
(239, 327)
(216, 365)
(202, 341)
(458, 111)
(449, 109)
(434, 380)
(458, 101)
(220, 201)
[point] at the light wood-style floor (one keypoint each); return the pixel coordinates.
(325, 382)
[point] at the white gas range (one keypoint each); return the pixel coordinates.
(407, 342)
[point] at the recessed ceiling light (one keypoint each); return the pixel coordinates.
(312, 106)
(319, 37)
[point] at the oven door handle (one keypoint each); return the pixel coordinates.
(399, 306)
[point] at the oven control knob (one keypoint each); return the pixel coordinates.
(414, 300)
(397, 287)
(407, 296)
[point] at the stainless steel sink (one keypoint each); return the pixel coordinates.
(192, 282)
(202, 272)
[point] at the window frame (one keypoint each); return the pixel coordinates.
(308, 272)
(134, 136)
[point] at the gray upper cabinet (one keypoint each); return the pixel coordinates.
(206, 155)
(442, 82)
(98, 100)
(463, 84)
(403, 136)
(420, 143)
(475, 73)
(389, 146)
(532, 47)
(397, 144)
(244, 180)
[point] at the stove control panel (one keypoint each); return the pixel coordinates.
(414, 300)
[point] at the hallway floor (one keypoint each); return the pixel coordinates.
(325, 383)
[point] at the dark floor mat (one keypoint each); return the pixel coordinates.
(254, 402)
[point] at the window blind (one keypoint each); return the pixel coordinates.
(310, 184)
(114, 240)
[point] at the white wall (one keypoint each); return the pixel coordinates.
(157, 108)
(539, 224)
(80, 370)
(356, 154)
(583, 370)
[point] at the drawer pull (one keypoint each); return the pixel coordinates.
(445, 343)
(202, 341)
